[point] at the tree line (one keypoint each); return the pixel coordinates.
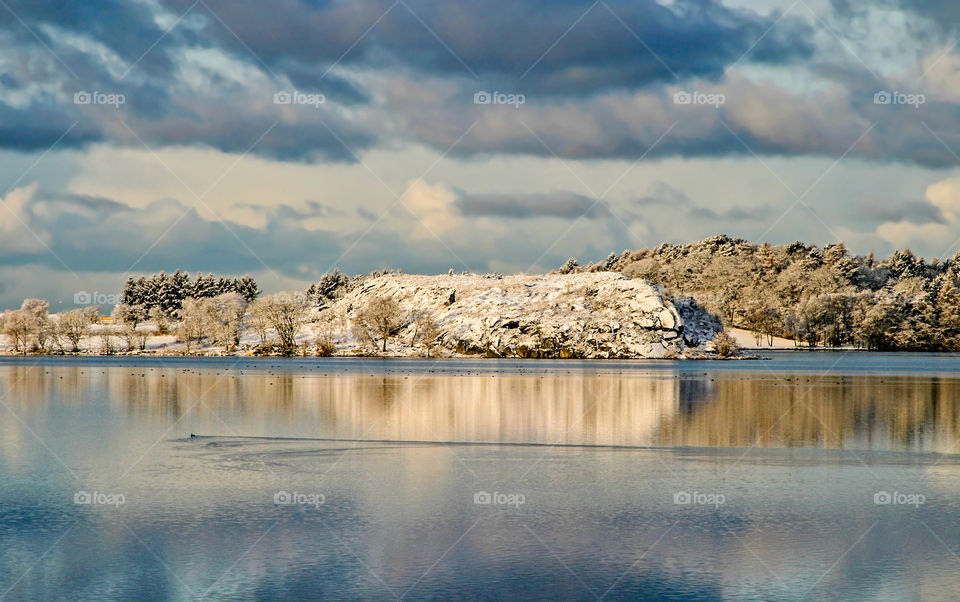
(165, 293)
(816, 296)
(214, 311)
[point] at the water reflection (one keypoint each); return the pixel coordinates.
(859, 411)
(200, 516)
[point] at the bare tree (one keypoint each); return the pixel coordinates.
(325, 345)
(161, 318)
(257, 317)
(106, 342)
(426, 331)
(725, 344)
(194, 321)
(18, 324)
(286, 314)
(130, 335)
(73, 325)
(226, 313)
(92, 313)
(35, 312)
(380, 319)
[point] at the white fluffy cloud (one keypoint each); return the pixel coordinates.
(433, 208)
(945, 196)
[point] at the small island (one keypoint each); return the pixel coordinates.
(600, 315)
(706, 299)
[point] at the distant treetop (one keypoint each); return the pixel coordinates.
(817, 296)
(168, 291)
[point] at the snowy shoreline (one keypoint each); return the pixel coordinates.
(598, 315)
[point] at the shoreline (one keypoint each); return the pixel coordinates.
(705, 357)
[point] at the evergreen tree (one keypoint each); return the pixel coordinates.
(821, 297)
(247, 287)
(167, 292)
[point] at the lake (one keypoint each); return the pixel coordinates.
(809, 475)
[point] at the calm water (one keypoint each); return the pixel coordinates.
(378, 467)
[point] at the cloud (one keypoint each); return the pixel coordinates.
(200, 104)
(565, 205)
(92, 234)
(661, 193)
(759, 118)
(41, 126)
(912, 211)
(594, 90)
(939, 15)
(945, 196)
(904, 234)
(570, 50)
(663, 196)
(735, 213)
(431, 206)
(942, 197)
(183, 91)
(14, 236)
(201, 85)
(309, 209)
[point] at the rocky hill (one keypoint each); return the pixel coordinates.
(582, 315)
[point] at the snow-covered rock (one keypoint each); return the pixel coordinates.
(581, 315)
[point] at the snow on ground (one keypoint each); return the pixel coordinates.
(747, 340)
(581, 315)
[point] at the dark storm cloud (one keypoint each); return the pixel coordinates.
(257, 130)
(756, 119)
(918, 212)
(159, 104)
(40, 126)
(316, 78)
(594, 91)
(565, 205)
(126, 28)
(562, 47)
(300, 41)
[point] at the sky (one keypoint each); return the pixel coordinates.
(282, 139)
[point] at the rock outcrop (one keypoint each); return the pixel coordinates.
(583, 315)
